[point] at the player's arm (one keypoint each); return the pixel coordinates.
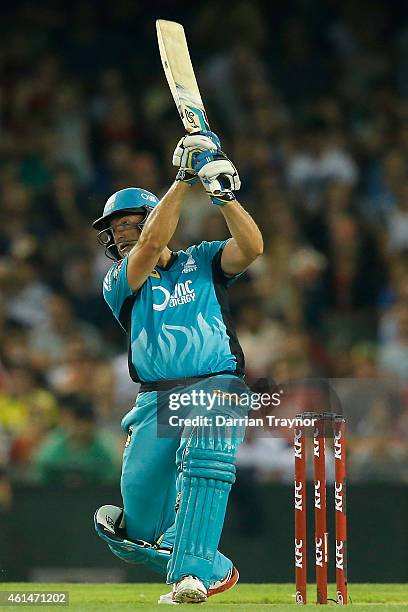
(157, 232)
(246, 243)
(202, 156)
(162, 221)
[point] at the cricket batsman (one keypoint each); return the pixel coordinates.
(174, 309)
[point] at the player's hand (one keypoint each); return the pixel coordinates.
(193, 143)
(218, 176)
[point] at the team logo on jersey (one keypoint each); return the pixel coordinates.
(183, 293)
(155, 274)
(189, 265)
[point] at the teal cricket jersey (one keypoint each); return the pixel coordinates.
(178, 322)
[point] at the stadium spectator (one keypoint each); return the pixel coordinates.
(393, 358)
(259, 337)
(76, 452)
(48, 342)
(25, 403)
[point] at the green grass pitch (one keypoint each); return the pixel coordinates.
(246, 597)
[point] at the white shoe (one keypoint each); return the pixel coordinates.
(189, 589)
(167, 599)
(229, 580)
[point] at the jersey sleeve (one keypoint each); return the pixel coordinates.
(116, 287)
(210, 252)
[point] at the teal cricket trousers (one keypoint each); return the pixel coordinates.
(149, 480)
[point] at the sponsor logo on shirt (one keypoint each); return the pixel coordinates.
(183, 293)
(189, 265)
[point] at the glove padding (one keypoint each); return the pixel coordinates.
(193, 143)
(217, 173)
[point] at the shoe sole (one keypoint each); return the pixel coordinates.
(188, 595)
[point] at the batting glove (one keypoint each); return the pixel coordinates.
(192, 143)
(187, 176)
(218, 176)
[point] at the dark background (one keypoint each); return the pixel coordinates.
(310, 101)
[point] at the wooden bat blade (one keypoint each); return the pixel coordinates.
(180, 75)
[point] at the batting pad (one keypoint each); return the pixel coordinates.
(207, 474)
(109, 526)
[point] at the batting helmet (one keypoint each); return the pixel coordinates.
(129, 200)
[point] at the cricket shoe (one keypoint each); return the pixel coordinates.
(230, 580)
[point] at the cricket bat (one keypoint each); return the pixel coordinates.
(180, 75)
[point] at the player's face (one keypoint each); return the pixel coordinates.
(126, 232)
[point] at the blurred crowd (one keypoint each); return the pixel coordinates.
(311, 102)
